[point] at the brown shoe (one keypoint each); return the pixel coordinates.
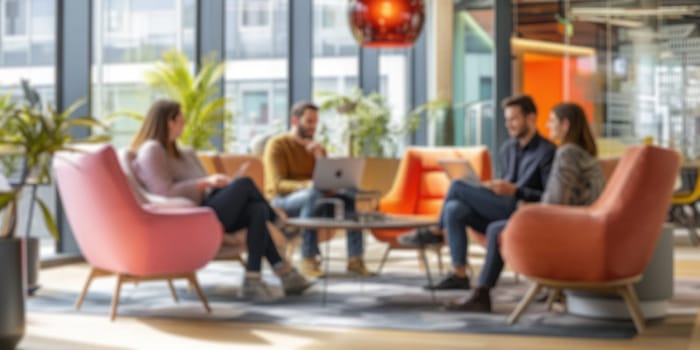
(356, 266)
(311, 266)
(479, 301)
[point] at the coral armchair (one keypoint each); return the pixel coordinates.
(118, 235)
(420, 185)
(603, 247)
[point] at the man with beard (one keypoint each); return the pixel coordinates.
(526, 160)
(289, 161)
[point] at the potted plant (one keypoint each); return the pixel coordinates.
(196, 94)
(368, 131)
(29, 137)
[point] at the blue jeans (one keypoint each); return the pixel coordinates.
(302, 204)
(493, 264)
(470, 206)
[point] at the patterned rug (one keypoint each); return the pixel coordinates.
(393, 300)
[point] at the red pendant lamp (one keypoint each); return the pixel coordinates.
(386, 23)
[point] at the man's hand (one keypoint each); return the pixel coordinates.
(501, 187)
(315, 148)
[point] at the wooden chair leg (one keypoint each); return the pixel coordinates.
(193, 280)
(115, 297)
(633, 306)
(91, 276)
(527, 299)
(553, 294)
(384, 259)
(172, 290)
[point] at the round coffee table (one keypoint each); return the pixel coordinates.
(383, 222)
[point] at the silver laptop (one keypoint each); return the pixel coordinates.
(337, 173)
(460, 169)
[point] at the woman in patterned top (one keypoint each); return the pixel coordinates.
(576, 179)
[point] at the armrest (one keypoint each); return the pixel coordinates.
(556, 242)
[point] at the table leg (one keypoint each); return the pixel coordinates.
(326, 271)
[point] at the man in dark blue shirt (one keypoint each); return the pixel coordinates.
(526, 160)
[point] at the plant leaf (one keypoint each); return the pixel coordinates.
(48, 218)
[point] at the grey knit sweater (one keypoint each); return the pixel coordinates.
(576, 177)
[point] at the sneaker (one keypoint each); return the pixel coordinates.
(479, 301)
(420, 237)
(254, 288)
(356, 266)
(311, 266)
(294, 283)
(451, 282)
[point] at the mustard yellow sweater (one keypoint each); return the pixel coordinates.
(288, 166)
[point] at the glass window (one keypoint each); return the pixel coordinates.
(255, 13)
(335, 63)
(256, 69)
(27, 51)
(129, 37)
(394, 85)
(15, 17)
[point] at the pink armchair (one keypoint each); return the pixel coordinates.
(118, 235)
(603, 247)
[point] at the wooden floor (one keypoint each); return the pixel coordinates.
(57, 331)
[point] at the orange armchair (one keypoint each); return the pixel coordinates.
(603, 247)
(420, 186)
(120, 236)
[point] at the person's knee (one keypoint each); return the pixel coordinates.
(453, 208)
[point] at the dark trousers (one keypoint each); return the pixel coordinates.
(493, 264)
(470, 206)
(240, 205)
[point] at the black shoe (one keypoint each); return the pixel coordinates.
(479, 301)
(420, 237)
(451, 282)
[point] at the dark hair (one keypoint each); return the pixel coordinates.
(525, 102)
(300, 107)
(579, 132)
(155, 126)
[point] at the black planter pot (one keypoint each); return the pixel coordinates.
(11, 293)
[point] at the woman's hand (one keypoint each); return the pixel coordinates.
(214, 181)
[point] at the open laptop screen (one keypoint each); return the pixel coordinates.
(337, 173)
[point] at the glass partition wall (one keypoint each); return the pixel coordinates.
(633, 64)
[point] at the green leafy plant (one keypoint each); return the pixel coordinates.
(204, 113)
(368, 130)
(29, 137)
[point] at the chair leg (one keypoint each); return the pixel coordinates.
(193, 280)
(115, 297)
(517, 278)
(632, 302)
(384, 258)
(172, 290)
(91, 276)
(553, 294)
(527, 299)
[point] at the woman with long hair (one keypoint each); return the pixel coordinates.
(576, 179)
(168, 170)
